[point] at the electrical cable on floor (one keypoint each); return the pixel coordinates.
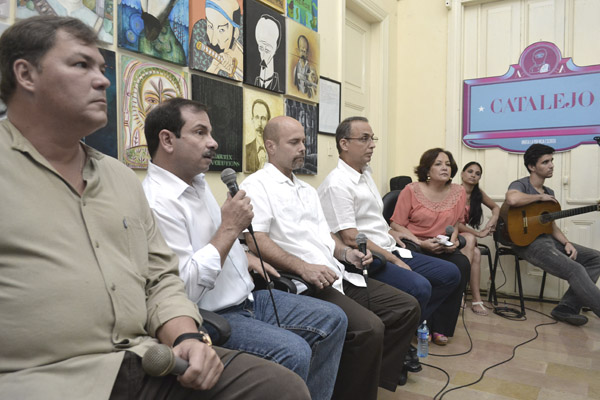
(443, 391)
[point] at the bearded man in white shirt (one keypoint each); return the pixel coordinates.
(293, 235)
(213, 264)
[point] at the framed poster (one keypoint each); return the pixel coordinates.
(259, 107)
(264, 55)
(330, 106)
(216, 35)
(105, 139)
(224, 103)
(145, 85)
(159, 29)
(306, 114)
(304, 12)
(302, 62)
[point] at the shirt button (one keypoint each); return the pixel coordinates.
(83, 202)
(97, 244)
(113, 287)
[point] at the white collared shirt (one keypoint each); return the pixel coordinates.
(188, 217)
(351, 200)
(290, 212)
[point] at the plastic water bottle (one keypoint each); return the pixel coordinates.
(423, 339)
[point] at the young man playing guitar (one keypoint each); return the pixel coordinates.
(579, 265)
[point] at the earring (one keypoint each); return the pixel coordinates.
(428, 178)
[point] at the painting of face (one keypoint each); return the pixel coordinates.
(217, 44)
(303, 62)
(145, 85)
(265, 48)
(306, 114)
(259, 108)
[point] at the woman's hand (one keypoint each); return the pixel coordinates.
(432, 246)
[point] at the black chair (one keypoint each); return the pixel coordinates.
(504, 248)
(389, 204)
(221, 330)
(399, 182)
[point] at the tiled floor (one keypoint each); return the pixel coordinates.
(562, 363)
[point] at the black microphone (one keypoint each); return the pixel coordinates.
(229, 178)
(159, 360)
(361, 242)
(461, 240)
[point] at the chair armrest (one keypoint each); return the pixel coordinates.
(218, 323)
(284, 283)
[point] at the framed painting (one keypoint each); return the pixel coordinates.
(304, 12)
(98, 14)
(4, 8)
(306, 114)
(276, 5)
(264, 63)
(156, 28)
(259, 108)
(224, 102)
(105, 139)
(330, 105)
(216, 36)
(303, 62)
(145, 85)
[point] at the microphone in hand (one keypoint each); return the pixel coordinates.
(361, 242)
(229, 178)
(159, 360)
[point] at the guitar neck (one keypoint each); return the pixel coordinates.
(569, 213)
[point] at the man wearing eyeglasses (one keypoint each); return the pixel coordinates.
(292, 234)
(352, 203)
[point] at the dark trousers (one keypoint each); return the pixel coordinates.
(246, 377)
(381, 323)
(443, 319)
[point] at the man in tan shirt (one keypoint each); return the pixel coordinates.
(87, 284)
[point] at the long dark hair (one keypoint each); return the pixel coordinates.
(475, 211)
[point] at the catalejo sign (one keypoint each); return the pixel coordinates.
(543, 99)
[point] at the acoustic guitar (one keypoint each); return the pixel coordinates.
(522, 225)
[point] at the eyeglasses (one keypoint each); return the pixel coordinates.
(364, 139)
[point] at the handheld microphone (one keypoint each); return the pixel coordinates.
(229, 178)
(461, 240)
(361, 242)
(159, 360)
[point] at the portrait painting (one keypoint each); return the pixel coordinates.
(304, 12)
(259, 108)
(157, 28)
(303, 62)
(216, 37)
(307, 115)
(277, 5)
(145, 85)
(96, 13)
(105, 139)
(264, 63)
(225, 107)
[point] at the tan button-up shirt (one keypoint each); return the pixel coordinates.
(82, 278)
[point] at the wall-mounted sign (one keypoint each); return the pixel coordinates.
(543, 99)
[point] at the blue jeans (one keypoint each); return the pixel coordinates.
(431, 280)
(309, 341)
(582, 273)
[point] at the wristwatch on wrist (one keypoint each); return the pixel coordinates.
(200, 335)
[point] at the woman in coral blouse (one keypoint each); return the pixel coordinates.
(423, 211)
